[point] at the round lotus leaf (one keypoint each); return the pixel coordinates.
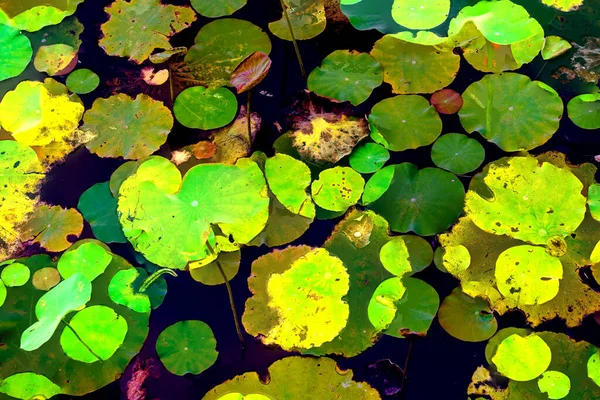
(45, 278)
(202, 108)
(121, 291)
(306, 17)
(98, 328)
(425, 201)
(15, 274)
(564, 5)
(415, 310)
(394, 257)
(127, 127)
(16, 52)
(377, 185)
(420, 14)
(420, 253)
(555, 46)
(337, 188)
(3, 292)
(29, 386)
(519, 200)
(33, 15)
(211, 275)
(446, 101)
(89, 259)
(250, 72)
(584, 111)
(187, 347)
(594, 200)
(511, 111)
(415, 68)
(382, 306)
(346, 76)
(466, 318)
(404, 122)
(555, 384)
(99, 208)
(82, 81)
(522, 358)
(216, 9)
(457, 153)
(55, 59)
(456, 259)
(593, 368)
(494, 342)
(368, 158)
(138, 27)
(51, 227)
(292, 194)
(528, 275)
(220, 47)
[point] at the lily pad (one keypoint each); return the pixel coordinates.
(446, 101)
(337, 188)
(210, 274)
(219, 48)
(16, 53)
(3, 292)
(51, 227)
(420, 14)
(212, 9)
(369, 158)
(404, 122)
(457, 153)
(555, 384)
(291, 194)
(55, 59)
(511, 111)
(251, 72)
(425, 201)
(29, 385)
(121, 291)
(382, 307)
(99, 208)
(33, 15)
(202, 108)
(45, 278)
(415, 68)
(82, 81)
(307, 18)
(522, 358)
(127, 127)
(466, 318)
(15, 274)
(187, 347)
(554, 46)
(138, 27)
(346, 76)
(564, 5)
(88, 259)
(584, 111)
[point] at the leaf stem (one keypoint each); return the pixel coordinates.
(405, 370)
(155, 275)
(81, 340)
(232, 304)
(296, 48)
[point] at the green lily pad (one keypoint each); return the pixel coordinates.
(594, 200)
(382, 306)
(425, 201)
(16, 52)
(219, 48)
(216, 9)
(67, 32)
(210, 274)
(369, 158)
(187, 347)
(97, 327)
(138, 27)
(291, 193)
(55, 59)
(45, 278)
(127, 127)
(522, 358)
(511, 111)
(414, 68)
(29, 385)
(466, 318)
(307, 18)
(554, 46)
(555, 384)
(52, 307)
(52, 226)
(346, 76)
(3, 292)
(457, 153)
(15, 274)
(99, 208)
(89, 259)
(420, 14)
(593, 367)
(121, 291)
(337, 188)
(584, 111)
(564, 5)
(33, 15)
(420, 253)
(202, 108)
(394, 257)
(404, 122)
(82, 81)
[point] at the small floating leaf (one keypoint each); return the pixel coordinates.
(522, 358)
(466, 318)
(55, 59)
(16, 52)
(307, 18)
(51, 227)
(202, 108)
(420, 14)
(555, 384)
(216, 9)
(457, 153)
(369, 158)
(554, 46)
(82, 81)
(584, 111)
(446, 101)
(337, 188)
(28, 386)
(45, 278)
(15, 274)
(89, 259)
(120, 290)
(99, 208)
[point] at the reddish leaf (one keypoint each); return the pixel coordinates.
(251, 71)
(446, 101)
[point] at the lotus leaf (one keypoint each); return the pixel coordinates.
(522, 358)
(82, 81)
(121, 291)
(466, 318)
(187, 347)
(33, 15)
(151, 213)
(346, 76)
(593, 367)
(394, 257)
(20, 175)
(16, 53)
(555, 384)
(250, 72)
(446, 101)
(382, 306)
(98, 327)
(319, 376)
(414, 68)
(15, 274)
(210, 274)
(52, 226)
(404, 122)
(99, 208)
(202, 108)
(29, 385)
(53, 306)
(420, 253)
(306, 17)
(511, 111)
(369, 158)
(425, 201)
(45, 278)
(3, 293)
(88, 259)
(564, 5)
(55, 59)
(457, 153)
(419, 14)
(584, 111)
(212, 9)
(337, 188)
(138, 27)
(127, 127)
(291, 194)
(67, 32)
(219, 48)
(555, 46)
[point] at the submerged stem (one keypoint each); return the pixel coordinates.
(155, 275)
(232, 304)
(81, 340)
(405, 370)
(296, 48)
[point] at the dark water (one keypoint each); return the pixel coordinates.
(440, 366)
